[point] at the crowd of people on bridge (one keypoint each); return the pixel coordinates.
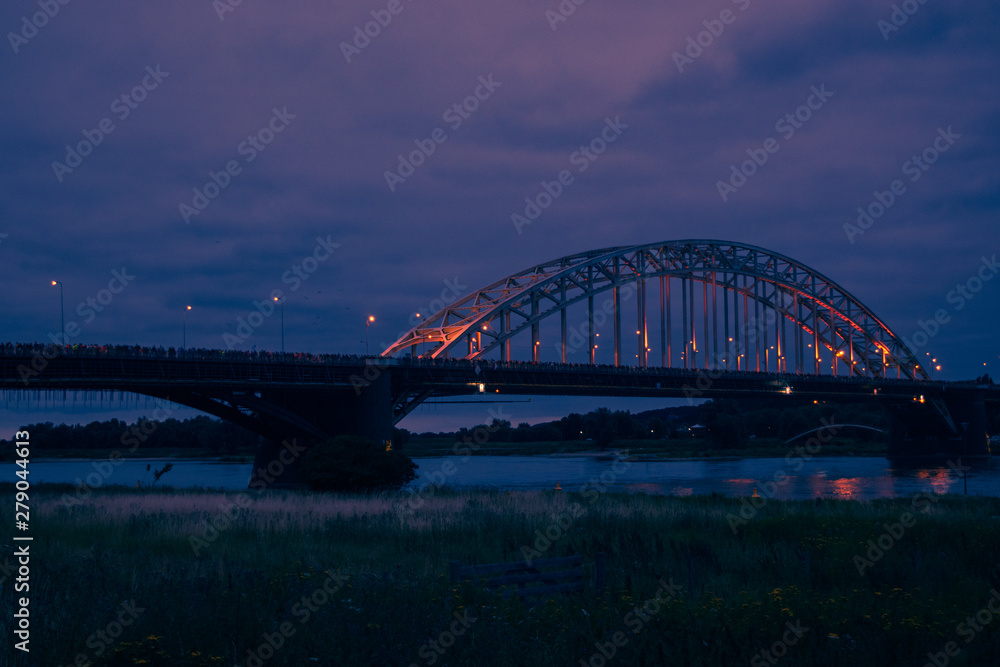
(266, 356)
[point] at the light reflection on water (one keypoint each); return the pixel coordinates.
(860, 478)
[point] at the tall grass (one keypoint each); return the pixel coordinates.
(791, 562)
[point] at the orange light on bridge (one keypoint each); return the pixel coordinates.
(371, 318)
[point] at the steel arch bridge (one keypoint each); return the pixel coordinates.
(758, 293)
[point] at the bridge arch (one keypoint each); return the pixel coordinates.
(830, 328)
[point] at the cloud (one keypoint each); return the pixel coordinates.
(325, 173)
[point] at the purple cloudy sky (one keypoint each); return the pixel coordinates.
(344, 124)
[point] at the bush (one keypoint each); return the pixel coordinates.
(350, 463)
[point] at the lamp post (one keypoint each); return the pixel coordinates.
(62, 313)
(184, 326)
(282, 303)
(368, 323)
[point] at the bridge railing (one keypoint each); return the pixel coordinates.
(269, 367)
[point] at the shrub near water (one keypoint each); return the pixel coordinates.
(349, 463)
(733, 597)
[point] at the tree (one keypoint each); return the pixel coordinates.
(350, 463)
(725, 431)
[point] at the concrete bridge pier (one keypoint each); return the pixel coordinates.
(954, 426)
(318, 415)
(970, 417)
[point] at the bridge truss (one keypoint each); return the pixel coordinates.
(776, 313)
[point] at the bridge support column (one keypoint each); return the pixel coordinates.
(686, 347)
(641, 332)
(618, 325)
(704, 336)
(505, 328)
(715, 323)
(535, 344)
(664, 320)
(590, 329)
(562, 324)
(955, 427)
(364, 410)
(737, 350)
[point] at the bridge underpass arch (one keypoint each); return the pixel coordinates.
(776, 313)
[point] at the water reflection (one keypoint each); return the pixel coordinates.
(857, 478)
(847, 487)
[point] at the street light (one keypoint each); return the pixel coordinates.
(282, 303)
(185, 327)
(368, 323)
(62, 311)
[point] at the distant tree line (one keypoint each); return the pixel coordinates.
(722, 423)
(197, 433)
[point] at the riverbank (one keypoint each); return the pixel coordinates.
(185, 453)
(677, 448)
(686, 448)
(330, 580)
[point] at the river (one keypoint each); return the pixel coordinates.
(860, 478)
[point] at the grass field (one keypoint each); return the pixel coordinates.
(210, 578)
